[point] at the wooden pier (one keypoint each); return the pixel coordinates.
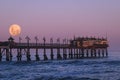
(76, 48)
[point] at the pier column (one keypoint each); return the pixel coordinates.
(37, 56)
(71, 53)
(19, 51)
(74, 53)
(28, 49)
(28, 55)
(65, 50)
(11, 41)
(52, 55)
(95, 53)
(58, 54)
(44, 55)
(99, 52)
(91, 52)
(0, 54)
(87, 53)
(19, 54)
(82, 55)
(58, 49)
(77, 53)
(106, 52)
(10, 54)
(7, 54)
(64, 54)
(103, 53)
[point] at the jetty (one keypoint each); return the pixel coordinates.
(76, 48)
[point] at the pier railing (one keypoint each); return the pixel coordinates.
(54, 45)
(40, 45)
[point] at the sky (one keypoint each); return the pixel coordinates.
(62, 18)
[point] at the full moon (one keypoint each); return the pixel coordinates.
(14, 30)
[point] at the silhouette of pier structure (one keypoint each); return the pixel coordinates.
(76, 48)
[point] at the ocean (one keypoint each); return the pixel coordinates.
(75, 69)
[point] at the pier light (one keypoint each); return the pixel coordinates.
(67, 41)
(44, 40)
(74, 37)
(58, 40)
(51, 40)
(28, 39)
(20, 39)
(63, 41)
(10, 39)
(36, 38)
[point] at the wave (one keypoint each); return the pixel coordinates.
(76, 62)
(63, 78)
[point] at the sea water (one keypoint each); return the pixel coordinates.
(75, 69)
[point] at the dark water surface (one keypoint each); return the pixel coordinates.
(79, 69)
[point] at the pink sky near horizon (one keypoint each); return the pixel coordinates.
(62, 18)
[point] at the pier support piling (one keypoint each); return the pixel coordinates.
(95, 53)
(99, 52)
(58, 54)
(79, 54)
(0, 54)
(19, 54)
(37, 56)
(45, 56)
(103, 53)
(87, 53)
(28, 55)
(82, 55)
(106, 52)
(10, 54)
(91, 53)
(7, 55)
(52, 55)
(71, 53)
(74, 53)
(64, 54)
